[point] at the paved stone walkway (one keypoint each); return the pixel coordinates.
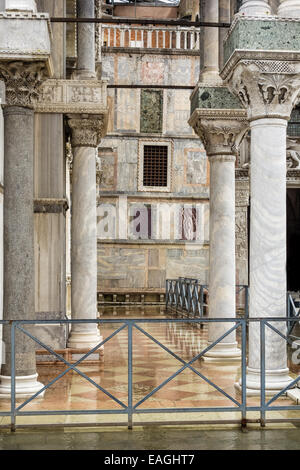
(152, 438)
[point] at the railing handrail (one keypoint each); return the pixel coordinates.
(128, 324)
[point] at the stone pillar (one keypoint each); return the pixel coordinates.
(269, 99)
(224, 17)
(209, 68)
(20, 5)
(289, 8)
(86, 67)
(22, 81)
(86, 136)
(2, 101)
(255, 8)
(221, 137)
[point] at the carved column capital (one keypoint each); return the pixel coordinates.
(22, 81)
(221, 131)
(267, 88)
(86, 131)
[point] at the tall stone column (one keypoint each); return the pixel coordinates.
(221, 133)
(289, 8)
(209, 71)
(86, 41)
(86, 136)
(20, 5)
(22, 81)
(255, 8)
(269, 98)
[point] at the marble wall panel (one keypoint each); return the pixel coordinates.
(56, 9)
(127, 110)
(147, 267)
(49, 162)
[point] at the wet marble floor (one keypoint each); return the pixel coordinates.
(152, 365)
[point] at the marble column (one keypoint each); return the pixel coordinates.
(255, 8)
(209, 67)
(20, 5)
(289, 8)
(269, 100)
(221, 138)
(86, 41)
(86, 136)
(22, 81)
(268, 249)
(2, 101)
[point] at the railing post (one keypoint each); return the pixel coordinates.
(262, 374)
(243, 374)
(178, 36)
(13, 378)
(122, 36)
(247, 302)
(130, 424)
(149, 37)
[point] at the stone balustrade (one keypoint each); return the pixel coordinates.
(150, 37)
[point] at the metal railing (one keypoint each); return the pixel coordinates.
(133, 407)
(293, 312)
(189, 296)
(150, 37)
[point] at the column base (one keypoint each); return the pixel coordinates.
(276, 380)
(223, 352)
(255, 8)
(290, 9)
(26, 386)
(84, 340)
(84, 75)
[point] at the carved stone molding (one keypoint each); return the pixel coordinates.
(221, 133)
(266, 88)
(72, 96)
(241, 234)
(22, 80)
(86, 132)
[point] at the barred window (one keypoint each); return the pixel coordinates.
(155, 168)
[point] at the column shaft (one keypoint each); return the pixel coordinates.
(86, 40)
(209, 72)
(268, 249)
(19, 245)
(222, 255)
(84, 248)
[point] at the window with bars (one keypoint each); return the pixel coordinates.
(155, 167)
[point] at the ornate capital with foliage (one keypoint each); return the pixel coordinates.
(221, 131)
(22, 81)
(266, 88)
(87, 132)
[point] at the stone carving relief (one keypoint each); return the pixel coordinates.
(22, 80)
(241, 245)
(67, 96)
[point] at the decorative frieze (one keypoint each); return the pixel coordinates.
(72, 96)
(22, 81)
(87, 132)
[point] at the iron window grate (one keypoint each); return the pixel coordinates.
(155, 165)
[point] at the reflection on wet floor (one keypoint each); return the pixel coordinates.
(152, 365)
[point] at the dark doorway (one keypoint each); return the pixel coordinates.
(293, 239)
